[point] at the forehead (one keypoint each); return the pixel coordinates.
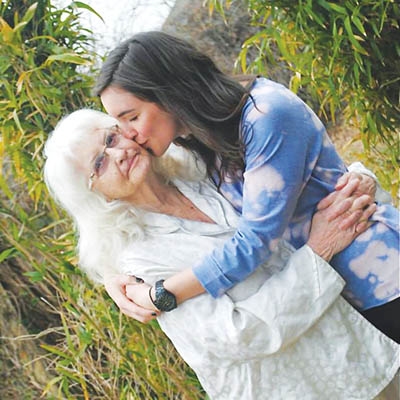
(117, 101)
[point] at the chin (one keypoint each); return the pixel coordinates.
(158, 152)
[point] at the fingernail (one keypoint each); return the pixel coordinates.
(139, 280)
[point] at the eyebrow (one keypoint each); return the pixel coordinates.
(121, 114)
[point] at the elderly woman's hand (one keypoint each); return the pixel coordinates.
(341, 219)
(367, 185)
(140, 295)
(118, 287)
(354, 192)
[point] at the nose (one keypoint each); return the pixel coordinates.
(129, 132)
(116, 153)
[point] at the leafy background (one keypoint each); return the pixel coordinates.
(61, 337)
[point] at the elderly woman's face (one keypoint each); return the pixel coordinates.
(114, 166)
(145, 122)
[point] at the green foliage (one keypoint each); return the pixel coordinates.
(90, 350)
(40, 54)
(103, 355)
(346, 55)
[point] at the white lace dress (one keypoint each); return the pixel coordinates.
(284, 333)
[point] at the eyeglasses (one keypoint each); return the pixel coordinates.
(111, 139)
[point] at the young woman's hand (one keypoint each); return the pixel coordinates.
(118, 287)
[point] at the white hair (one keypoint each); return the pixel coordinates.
(103, 227)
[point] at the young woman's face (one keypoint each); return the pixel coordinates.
(115, 166)
(142, 121)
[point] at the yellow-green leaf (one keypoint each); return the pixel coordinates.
(68, 58)
(337, 8)
(80, 4)
(352, 38)
(19, 26)
(6, 31)
(30, 13)
(357, 22)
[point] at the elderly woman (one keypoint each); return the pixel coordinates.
(284, 332)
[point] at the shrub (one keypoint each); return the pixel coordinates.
(345, 54)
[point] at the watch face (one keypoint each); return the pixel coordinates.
(165, 300)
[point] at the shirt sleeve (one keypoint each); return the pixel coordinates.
(283, 140)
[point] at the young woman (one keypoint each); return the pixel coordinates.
(268, 154)
(282, 333)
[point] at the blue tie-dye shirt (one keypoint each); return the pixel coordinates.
(290, 165)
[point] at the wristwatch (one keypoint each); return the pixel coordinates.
(165, 300)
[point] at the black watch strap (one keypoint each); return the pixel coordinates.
(164, 299)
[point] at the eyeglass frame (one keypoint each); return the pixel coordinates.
(117, 130)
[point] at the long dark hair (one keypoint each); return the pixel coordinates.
(160, 68)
